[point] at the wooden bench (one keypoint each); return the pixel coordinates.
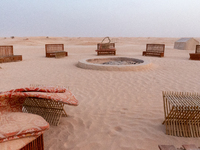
(154, 50)
(55, 50)
(106, 48)
(6, 54)
(196, 55)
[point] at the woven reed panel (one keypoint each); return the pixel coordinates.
(50, 110)
(155, 47)
(104, 46)
(6, 50)
(54, 47)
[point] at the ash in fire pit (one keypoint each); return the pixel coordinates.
(121, 62)
(113, 63)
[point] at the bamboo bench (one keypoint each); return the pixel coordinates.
(184, 147)
(55, 50)
(182, 114)
(154, 50)
(106, 48)
(167, 147)
(6, 54)
(196, 55)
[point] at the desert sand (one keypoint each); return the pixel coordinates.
(118, 110)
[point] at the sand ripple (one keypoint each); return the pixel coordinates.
(117, 110)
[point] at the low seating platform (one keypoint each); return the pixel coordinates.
(106, 48)
(55, 50)
(154, 50)
(6, 54)
(196, 55)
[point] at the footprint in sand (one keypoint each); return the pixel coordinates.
(118, 128)
(123, 111)
(113, 132)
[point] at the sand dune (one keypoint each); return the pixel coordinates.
(118, 110)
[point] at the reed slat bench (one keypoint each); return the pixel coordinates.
(184, 147)
(106, 48)
(196, 55)
(190, 147)
(55, 50)
(6, 54)
(182, 114)
(154, 50)
(167, 147)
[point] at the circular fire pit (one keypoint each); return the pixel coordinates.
(114, 63)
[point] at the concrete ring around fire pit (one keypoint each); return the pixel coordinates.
(114, 63)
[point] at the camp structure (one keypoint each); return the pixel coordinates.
(186, 44)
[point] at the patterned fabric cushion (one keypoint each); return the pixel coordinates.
(11, 102)
(67, 97)
(14, 125)
(49, 89)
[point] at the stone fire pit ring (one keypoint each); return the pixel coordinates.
(114, 63)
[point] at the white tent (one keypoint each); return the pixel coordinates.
(186, 44)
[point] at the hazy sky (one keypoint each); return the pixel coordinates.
(99, 18)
